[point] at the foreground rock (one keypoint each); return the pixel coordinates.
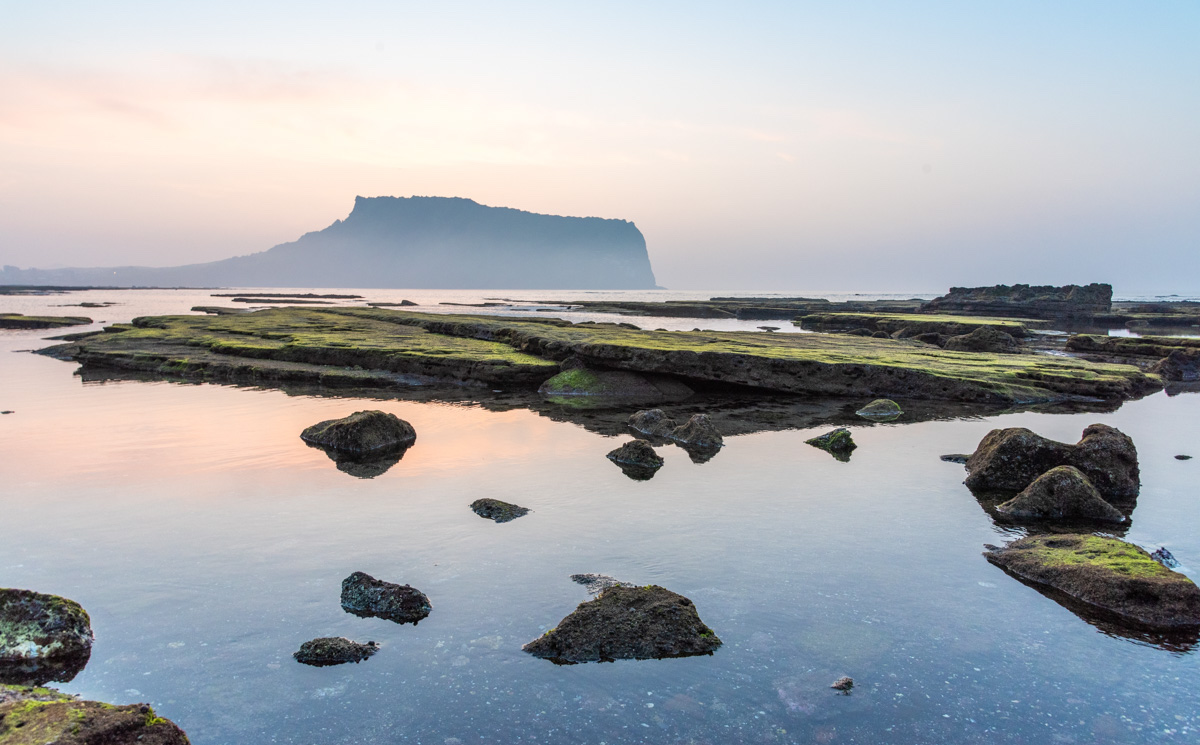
(19, 321)
(698, 432)
(837, 443)
(42, 637)
(636, 453)
(365, 596)
(983, 340)
(1025, 301)
(38, 716)
(1062, 492)
(1109, 574)
(637, 623)
(1010, 460)
(880, 409)
(494, 509)
(333, 650)
(362, 433)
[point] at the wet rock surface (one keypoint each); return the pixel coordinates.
(637, 453)
(837, 443)
(1109, 574)
(698, 432)
(42, 637)
(597, 583)
(1010, 459)
(38, 716)
(1062, 492)
(628, 623)
(333, 650)
(881, 409)
(365, 596)
(494, 509)
(361, 433)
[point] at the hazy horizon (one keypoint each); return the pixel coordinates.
(768, 148)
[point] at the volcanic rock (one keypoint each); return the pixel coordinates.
(698, 432)
(1107, 573)
(361, 432)
(42, 637)
(837, 443)
(494, 509)
(983, 339)
(652, 422)
(597, 583)
(1010, 460)
(636, 453)
(1180, 365)
(365, 596)
(333, 650)
(628, 623)
(1061, 492)
(64, 720)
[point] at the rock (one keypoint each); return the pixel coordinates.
(1061, 492)
(956, 457)
(7, 412)
(768, 328)
(42, 637)
(1010, 460)
(698, 432)
(494, 509)
(1024, 301)
(365, 596)
(1164, 557)
(983, 339)
(932, 338)
(597, 583)
(362, 432)
(880, 409)
(636, 453)
(1177, 457)
(581, 381)
(19, 321)
(860, 332)
(628, 623)
(364, 466)
(837, 443)
(333, 650)
(1180, 365)
(652, 422)
(1106, 573)
(406, 303)
(63, 720)
(880, 335)
(843, 684)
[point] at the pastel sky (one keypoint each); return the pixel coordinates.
(773, 146)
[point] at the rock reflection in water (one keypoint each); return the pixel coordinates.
(363, 466)
(41, 670)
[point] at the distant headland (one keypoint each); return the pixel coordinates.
(412, 242)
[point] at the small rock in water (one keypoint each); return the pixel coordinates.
(837, 443)
(698, 431)
(652, 422)
(494, 509)
(769, 328)
(598, 583)
(636, 453)
(361, 432)
(1164, 557)
(881, 409)
(956, 457)
(843, 684)
(333, 650)
(1061, 492)
(365, 596)
(1177, 457)
(7, 412)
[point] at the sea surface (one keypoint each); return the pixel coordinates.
(207, 541)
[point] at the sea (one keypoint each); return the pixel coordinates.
(207, 542)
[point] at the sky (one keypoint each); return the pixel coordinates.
(758, 146)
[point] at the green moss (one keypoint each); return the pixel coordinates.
(579, 380)
(1109, 554)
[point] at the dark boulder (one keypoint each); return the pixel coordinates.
(1062, 492)
(652, 422)
(932, 338)
(1109, 459)
(843, 684)
(636, 453)
(1106, 573)
(42, 637)
(628, 623)
(983, 339)
(361, 433)
(494, 509)
(1010, 460)
(33, 716)
(1182, 365)
(365, 596)
(837, 443)
(698, 432)
(333, 650)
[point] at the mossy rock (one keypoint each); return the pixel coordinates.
(628, 623)
(698, 432)
(333, 650)
(19, 321)
(984, 339)
(1061, 493)
(42, 637)
(837, 443)
(582, 381)
(494, 509)
(361, 433)
(881, 409)
(39, 719)
(1106, 573)
(367, 597)
(637, 453)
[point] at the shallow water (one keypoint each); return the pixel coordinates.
(207, 542)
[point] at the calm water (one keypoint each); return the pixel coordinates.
(207, 542)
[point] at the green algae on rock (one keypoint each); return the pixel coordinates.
(881, 409)
(1062, 492)
(37, 716)
(837, 443)
(19, 321)
(42, 637)
(639, 623)
(1107, 573)
(362, 432)
(583, 381)
(910, 324)
(333, 650)
(494, 509)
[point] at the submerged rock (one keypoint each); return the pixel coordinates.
(1164, 557)
(365, 596)
(636, 453)
(1183, 457)
(652, 422)
(956, 457)
(362, 432)
(843, 684)
(33, 716)
(333, 650)
(42, 637)
(1010, 460)
(983, 339)
(698, 432)
(1106, 573)
(597, 583)
(881, 408)
(494, 509)
(1061, 492)
(837, 443)
(628, 623)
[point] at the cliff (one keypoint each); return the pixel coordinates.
(413, 242)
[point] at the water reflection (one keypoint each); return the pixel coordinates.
(42, 670)
(363, 465)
